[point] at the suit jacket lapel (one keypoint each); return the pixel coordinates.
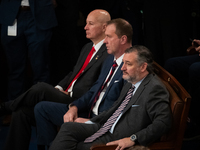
(96, 56)
(105, 72)
(116, 77)
(82, 60)
(138, 92)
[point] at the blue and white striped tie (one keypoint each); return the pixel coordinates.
(112, 119)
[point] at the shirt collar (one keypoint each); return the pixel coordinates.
(98, 45)
(119, 60)
(137, 84)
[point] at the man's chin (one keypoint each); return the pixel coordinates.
(126, 78)
(88, 37)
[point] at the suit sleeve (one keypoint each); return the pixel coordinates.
(157, 107)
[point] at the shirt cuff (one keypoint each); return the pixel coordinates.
(59, 87)
(89, 122)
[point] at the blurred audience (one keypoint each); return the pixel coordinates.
(25, 35)
(187, 70)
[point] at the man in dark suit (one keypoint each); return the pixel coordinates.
(140, 115)
(99, 98)
(26, 31)
(73, 86)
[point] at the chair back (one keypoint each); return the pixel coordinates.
(180, 103)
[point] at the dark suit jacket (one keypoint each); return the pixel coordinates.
(112, 92)
(90, 74)
(42, 10)
(147, 114)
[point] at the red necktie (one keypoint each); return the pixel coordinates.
(108, 124)
(83, 67)
(103, 86)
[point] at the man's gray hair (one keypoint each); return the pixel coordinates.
(144, 55)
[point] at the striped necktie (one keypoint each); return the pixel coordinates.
(108, 124)
(103, 86)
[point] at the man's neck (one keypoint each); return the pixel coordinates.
(142, 76)
(96, 41)
(122, 50)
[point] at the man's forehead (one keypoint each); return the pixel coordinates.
(110, 28)
(91, 19)
(129, 57)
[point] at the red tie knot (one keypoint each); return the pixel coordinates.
(93, 49)
(114, 64)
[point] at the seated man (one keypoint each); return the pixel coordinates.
(186, 69)
(73, 86)
(99, 98)
(140, 115)
(78, 82)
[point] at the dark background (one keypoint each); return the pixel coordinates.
(165, 27)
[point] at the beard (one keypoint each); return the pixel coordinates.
(128, 78)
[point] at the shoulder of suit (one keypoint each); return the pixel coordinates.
(90, 44)
(86, 47)
(110, 58)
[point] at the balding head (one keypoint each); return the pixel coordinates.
(96, 24)
(101, 15)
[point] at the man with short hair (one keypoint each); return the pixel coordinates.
(141, 114)
(99, 98)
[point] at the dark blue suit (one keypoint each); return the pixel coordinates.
(49, 114)
(84, 103)
(32, 40)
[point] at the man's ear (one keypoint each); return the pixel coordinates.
(143, 67)
(123, 39)
(104, 27)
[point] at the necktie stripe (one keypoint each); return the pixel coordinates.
(103, 86)
(112, 119)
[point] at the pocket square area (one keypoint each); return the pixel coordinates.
(135, 105)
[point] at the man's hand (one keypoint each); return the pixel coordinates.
(197, 48)
(71, 114)
(61, 90)
(81, 120)
(122, 143)
(67, 93)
